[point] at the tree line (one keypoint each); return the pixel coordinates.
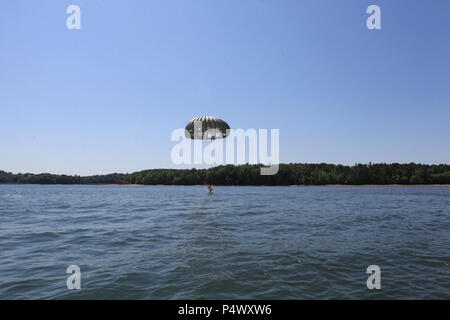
(288, 174)
(47, 178)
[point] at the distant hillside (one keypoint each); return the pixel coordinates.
(289, 174)
(47, 178)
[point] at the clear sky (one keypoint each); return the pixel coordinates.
(106, 98)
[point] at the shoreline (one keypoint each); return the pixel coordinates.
(218, 185)
(373, 185)
(293, 185)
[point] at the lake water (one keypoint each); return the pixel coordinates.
(175, 242)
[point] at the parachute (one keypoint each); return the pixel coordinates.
(207, 128)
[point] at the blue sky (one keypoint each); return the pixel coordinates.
(106, 98)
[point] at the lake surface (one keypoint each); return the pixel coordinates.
(171, 242)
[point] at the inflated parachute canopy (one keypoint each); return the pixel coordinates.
(207, 128)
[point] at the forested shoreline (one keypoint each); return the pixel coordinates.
(288, 174)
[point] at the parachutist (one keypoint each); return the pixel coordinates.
(207, 128)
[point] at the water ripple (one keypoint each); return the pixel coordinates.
(242, 242)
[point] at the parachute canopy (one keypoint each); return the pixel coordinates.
(207, 128)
